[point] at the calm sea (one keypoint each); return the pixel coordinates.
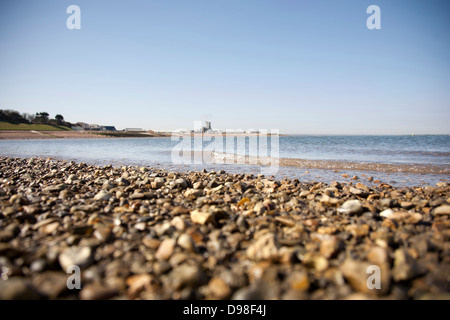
(398, 160)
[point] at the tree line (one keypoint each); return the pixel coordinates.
(13, 116)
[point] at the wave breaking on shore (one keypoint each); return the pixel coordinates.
(228, 158)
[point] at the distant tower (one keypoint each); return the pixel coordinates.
(208, 125)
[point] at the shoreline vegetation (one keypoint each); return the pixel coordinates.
(6, 126)
(72, 134)
(145, 233)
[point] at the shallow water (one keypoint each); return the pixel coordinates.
(398, 160)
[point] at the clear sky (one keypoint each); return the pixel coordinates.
(310, 67)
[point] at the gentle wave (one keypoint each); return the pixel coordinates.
(223, 158)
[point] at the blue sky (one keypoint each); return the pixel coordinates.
(309, 67)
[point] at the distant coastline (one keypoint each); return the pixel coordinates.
(45, 134)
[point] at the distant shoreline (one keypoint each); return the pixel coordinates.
(33, 134)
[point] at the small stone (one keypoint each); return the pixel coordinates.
(201, 217)
(406, 205)
(285, 221)
(179, 210)
(165, 249)
(79, 256)
(103, 234)
(388, 213)
(138, 283)
(386, 203)
(358, 230)
(264, 248)
(185, 241)
(141, 226)
(377, 255)
(407, 217)
(71, 179)
(122, 182)
(405, 267)
(42, 223)
(107, 185)
(97, 292)
(197, 185)
(193, 193)
(219, 288)
(212, 184)
(329, 247)
(9, 232)
(38, 265)
(54, 188)
(102, 196)
(10, 211)
(65, 194)
(259, 208)
(137, 195)
(414, 218)
(178, 223)
(442, 210)
(351, 207)
(356, 274)
(356, 192)
(298, 280)
(49, 228)
(187, 276)
(151, 242)
(329, 201)
(315, 261)
(181, 183)
(51, 283)
(158, 183)
(17, 288)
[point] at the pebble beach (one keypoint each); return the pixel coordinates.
(147, 233)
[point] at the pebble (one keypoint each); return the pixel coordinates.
(181, 183)
(97, 292)
(187, 276)
(140, 282)
(18, 289)
(442, 210)
(351, 207)
(259, 208)
(388, 213)
(329, 247)
(103, 234)
(158, 183)
(405, 267)
(79, 256)
(185, 241)
(265, 248)
(377, 255)
(201, 217)
(193, 193)
(165, 249)
(51, 284)
(219, 288)
(356, 274)
(102, 196)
